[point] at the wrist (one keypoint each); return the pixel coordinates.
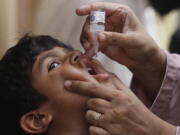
(161, 127)
(168, 129)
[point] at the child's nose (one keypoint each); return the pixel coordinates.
(75, 57)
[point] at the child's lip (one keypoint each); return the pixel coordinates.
(90, 66)
(98, 74)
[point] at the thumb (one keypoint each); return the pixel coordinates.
(113, 38)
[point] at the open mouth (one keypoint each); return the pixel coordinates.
(91, 71)
(90, 67)
(94, 69)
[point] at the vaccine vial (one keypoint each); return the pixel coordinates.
(97, 21)
(97, 24)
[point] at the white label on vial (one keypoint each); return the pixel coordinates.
(97, 17)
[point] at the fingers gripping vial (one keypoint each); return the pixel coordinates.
(97, 24)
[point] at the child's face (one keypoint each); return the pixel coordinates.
(51, 69)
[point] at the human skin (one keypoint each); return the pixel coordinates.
(126, 41)
(63, 111)
(122, 113)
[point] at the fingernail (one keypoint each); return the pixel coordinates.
(102, 37)
(105, 75)
(87, 46)
(67, 84)
(83, 7)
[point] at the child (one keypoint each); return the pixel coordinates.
(33, 97)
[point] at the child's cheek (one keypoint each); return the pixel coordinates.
(71, 73)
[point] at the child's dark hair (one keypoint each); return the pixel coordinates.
(17, 96)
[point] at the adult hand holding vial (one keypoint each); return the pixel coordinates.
(126, 42)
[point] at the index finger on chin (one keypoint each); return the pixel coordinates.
(90, 89)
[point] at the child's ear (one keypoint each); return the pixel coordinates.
(35, 122)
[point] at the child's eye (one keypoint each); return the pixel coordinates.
(53, 66)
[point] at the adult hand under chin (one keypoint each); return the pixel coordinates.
(114, 111)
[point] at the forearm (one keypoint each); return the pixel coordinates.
(150, 74)
(166, 104)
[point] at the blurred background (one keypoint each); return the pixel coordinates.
(57, 18)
